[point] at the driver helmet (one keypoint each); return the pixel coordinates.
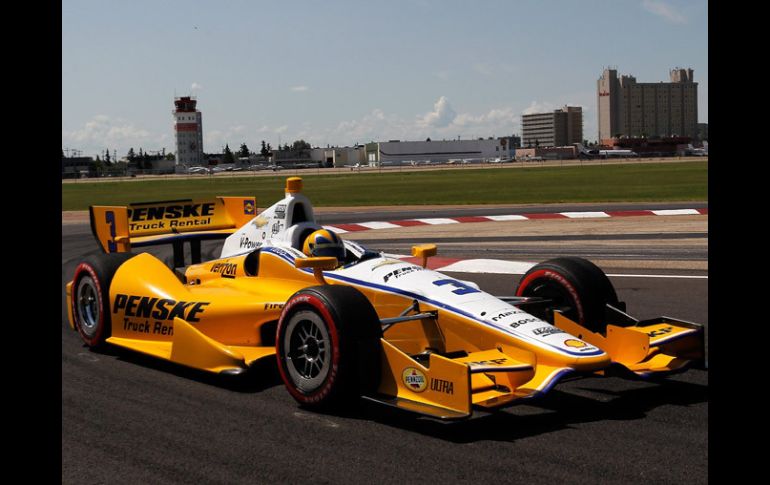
(324, 243)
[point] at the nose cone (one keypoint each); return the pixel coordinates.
(591, 363)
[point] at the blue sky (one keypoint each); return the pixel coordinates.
(346, 72)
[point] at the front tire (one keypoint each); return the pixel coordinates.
(90, 296)
(577, 287)
(328, 346)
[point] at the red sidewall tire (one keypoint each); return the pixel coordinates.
(548, 274)
(297, 303)
(575, 286)
(82, 270)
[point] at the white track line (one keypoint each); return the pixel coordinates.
(684, 277)
(378, 225)
(335, 229)
(438, 220)
(582, 215)
(677, 212)
(511, 217)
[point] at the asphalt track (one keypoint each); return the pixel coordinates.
(131, 419)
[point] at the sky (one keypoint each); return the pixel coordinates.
(341, 72)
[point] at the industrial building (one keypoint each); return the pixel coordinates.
(629, 108)
(188, 129)
(444, 151)
(561, 127)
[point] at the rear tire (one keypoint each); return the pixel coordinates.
(91, 294)
(578, 288)
(328, 346)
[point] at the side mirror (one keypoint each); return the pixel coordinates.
(318, 264)
(424, 251)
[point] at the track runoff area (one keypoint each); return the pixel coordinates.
(129, 417)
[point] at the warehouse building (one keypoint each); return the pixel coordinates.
(444, 151)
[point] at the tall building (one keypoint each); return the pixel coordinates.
(561, 127)
(188, 128)
(629, 108)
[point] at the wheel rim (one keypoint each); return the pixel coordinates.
(307, 348)
(88, 306)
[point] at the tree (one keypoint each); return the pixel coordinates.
(265, 151)
(228, 156)
(131, 155)
(98, 166)
(170, 156)
(244, 151)
(107, 157)
(300, 145)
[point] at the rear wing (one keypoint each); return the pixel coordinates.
(118, 229)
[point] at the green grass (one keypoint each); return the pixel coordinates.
(532, 185)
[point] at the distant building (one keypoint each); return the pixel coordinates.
(77, 167)
(561, 127)
(703, 131)
(650, 147)
(547, 153)
(629, 108)
(188, 129)
(439, 151)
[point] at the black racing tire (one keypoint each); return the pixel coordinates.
(578, 288)
(91, 296)
(328, 347)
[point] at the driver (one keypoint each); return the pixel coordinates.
(324, 243)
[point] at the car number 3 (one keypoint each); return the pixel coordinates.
(462, 288)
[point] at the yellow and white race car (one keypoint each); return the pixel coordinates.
(354, 323)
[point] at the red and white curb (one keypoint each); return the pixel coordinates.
(365, 226)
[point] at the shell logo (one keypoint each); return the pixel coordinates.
(414, 379)
(574, 343)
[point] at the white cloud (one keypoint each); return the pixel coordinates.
(536, 107)
(299, 89)
(665, 11)
(441, 116)
(196, 87)
(103, 132)
(443, 75)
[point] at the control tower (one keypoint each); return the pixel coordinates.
(188, 129)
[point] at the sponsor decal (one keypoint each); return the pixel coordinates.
(523, 321)
(479, 363)
(276, 228)
(660, 331)
(158, 308)
(502, 315)
(414, 379)
(280, 211)
(401, 272)
(440, 385)
(273, 306)
(577, 344)
(246, 243)
(545, 331)
(249, 207)
(157, 313)
(170, 212)
(157, 328)
(227, 270)
(259, 221)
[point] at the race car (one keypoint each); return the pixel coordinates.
(346, 323)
